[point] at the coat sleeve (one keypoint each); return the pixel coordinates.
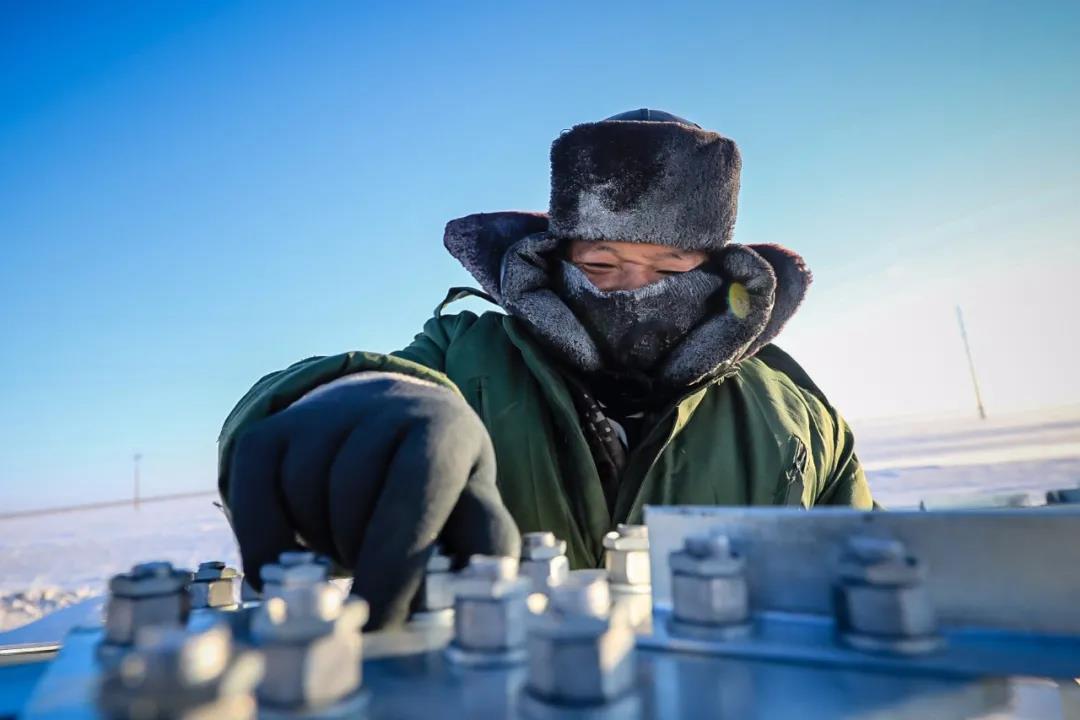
(846, 483)
(424, 358)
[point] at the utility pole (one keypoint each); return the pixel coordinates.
(971, 363)
(136, 457)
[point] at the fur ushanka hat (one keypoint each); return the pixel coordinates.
(641, 176)
(645, 176)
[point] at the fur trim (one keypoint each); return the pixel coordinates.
(527, 294)
(512, 258)
(793, 280)
(715, 345)
(480, 242)
(724, 339)
(657, 182)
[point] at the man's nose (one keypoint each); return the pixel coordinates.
(636, 276)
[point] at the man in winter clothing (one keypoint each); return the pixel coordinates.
(632, 366)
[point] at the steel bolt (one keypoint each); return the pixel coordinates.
(173, 673)
(311, 640)
(543, 560)
(708, 584)
(882, 601)
(215, 585)
(147, 579)
(585, 592)
(437, 592)
(150, 594)
(627, 557)
(541, 546)
(490, 608)
(581, 647)
(293, 569)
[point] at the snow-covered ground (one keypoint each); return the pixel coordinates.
(72, 554)
(912, 460)
(47, 561)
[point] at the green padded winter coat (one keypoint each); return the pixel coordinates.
(764, 435)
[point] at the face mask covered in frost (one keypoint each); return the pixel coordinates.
(635, 329)
(653, 342)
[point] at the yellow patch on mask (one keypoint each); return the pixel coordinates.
(738, 298)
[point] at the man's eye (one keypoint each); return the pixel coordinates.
(597, 267)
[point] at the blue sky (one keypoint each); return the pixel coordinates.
(195, 194)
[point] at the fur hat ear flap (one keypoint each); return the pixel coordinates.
(480, 241)
(793, 279)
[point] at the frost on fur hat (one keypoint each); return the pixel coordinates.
(645, 176)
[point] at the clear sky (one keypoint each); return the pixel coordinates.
(193, 194)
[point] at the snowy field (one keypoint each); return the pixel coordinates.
(48, 561)
(913, 460)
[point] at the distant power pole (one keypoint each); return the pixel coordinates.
(971, 363)
(136, 457)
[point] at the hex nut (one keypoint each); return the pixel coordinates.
(626, 556)
(879, 561)
(151, 594)
(890, 610)
(211, 569)
(173, 673)
(708, 582)
(487, 577)
(490, 606)
(490, 625)
(586, 593)
(587, 670)
(723, 564)
(313, 648)
(542, 574)
(710, 601)
(881, 594)
(541, 546)
(149, 579)
(296, 566)
(300, 615)
(628, 537)
(543, 560)
(125, 616)
(215, 585)
(277, 577)
(581, 647)
(215, 593)
(311, 675)
(437, 591)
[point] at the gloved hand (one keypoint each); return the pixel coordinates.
(370, 472)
